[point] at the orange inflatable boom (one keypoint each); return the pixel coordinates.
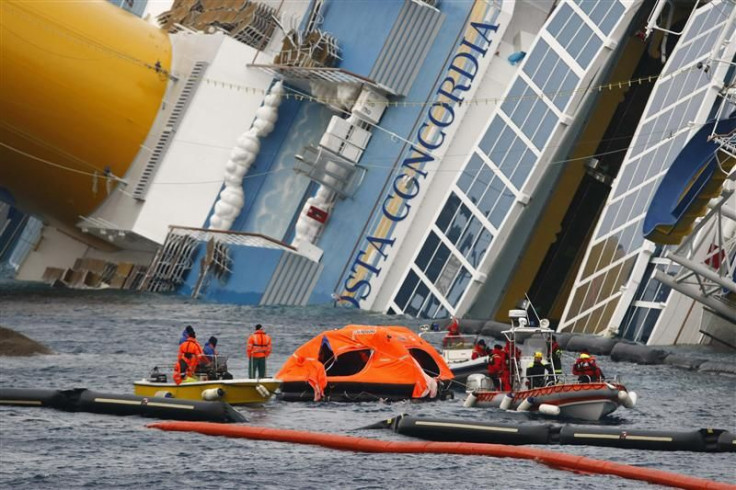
(349, 443)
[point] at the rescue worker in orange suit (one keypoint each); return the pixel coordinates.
(497, 368)
(536, 372)
(452, 337)
(191, 346)
(184, 369)
(259, 348)
(586, 369)
(480, 350)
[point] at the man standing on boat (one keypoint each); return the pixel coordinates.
(190, 346)
(556, 356)
(259, 348)
(535, 372)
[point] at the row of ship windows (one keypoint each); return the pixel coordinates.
(705, 19)
(575, 36)
(548, 72)
(510, 154)
(624, 242)
(668, 123)
(599, 290)
(677, 88)
(603, 14)
(629, 208)
(640, 167)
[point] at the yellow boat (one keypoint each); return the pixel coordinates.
(233, 391)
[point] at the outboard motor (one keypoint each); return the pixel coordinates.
(156, 376)
(478, 381)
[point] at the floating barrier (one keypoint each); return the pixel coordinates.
(83, 400)
(703, 440)
(595, 344)
(637, 353)
(347, 443)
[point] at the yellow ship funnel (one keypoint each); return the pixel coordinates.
(80, 86)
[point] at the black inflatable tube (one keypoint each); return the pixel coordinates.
(83, 400)
(448, 430)
(467, 431)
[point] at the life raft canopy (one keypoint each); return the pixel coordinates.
(364, 362)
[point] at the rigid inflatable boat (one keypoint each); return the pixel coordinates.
(360, 363)
(553, 393)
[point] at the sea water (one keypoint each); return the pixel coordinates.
(104, 340)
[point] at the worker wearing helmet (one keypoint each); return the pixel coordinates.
(536, 372)
(586, 369)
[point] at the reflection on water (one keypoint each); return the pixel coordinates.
(103, 340)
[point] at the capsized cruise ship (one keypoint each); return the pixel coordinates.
(423, 158)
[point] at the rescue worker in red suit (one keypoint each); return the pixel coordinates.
(586, 369)
(258, 349)
(452, 337)
(480, 350)
(497, 367)
(510, 365)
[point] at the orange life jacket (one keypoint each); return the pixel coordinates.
(192, 347)
(259, 344)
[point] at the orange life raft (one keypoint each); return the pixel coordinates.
(362, 362)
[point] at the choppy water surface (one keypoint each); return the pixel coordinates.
(105, 340)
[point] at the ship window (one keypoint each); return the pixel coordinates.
(589, 50)
(581, 41)
(466, 242)
(427, 251)
(426, 362)
(469, 172)
(525, 164)
(418, 300)
(492, 135)
(479, 250)
(561, 17)
(491, 196)
(547, 122)
(349, 363)
(513, 157)
(448, 274)
(459, 287)
(448, 212)
(501, 209)
(525, 108)
(441, 313)
(406, 289)
(501, 148)
(479, 186)
(438, 262)
(519, 101)
(459, 224)
(430, 308)
(610, 214)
